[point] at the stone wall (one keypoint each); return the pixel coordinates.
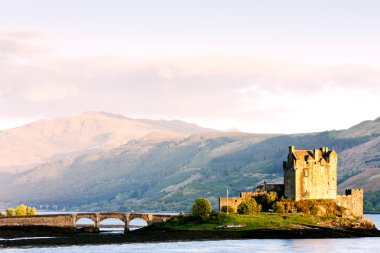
(61, 220)
(352, 200)
(232, 202)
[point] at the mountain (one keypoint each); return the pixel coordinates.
(165, 170)
(362, 166)
(29, 145)
(365, 128)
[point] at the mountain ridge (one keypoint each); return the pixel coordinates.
(165, 173)
(33, 143)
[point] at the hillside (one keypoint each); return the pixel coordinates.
(29, 145)
(361, 157)
(160, 173)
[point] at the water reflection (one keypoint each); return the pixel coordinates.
(353, 245)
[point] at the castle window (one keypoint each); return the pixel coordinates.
(305, 172)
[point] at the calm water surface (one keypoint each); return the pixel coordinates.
(254, 245)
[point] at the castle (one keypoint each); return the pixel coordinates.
(308, 174)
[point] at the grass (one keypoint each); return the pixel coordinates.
(251, 222)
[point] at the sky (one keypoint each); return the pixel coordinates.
(258, 66)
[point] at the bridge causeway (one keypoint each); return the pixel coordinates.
(69, 220)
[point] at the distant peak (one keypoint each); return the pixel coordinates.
(233, 130)
(111, 115)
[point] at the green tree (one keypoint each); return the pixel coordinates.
(377, 207)
(249, 207)
(201, 208)
(368, 206)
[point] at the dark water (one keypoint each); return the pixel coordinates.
(254, 245)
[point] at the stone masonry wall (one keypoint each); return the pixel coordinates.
(352, 200)
(232, 202)
(310, 174)
(65, 221)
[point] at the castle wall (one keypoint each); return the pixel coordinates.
(247, 195)
(232, 202)
(352, 200)
(315, 180)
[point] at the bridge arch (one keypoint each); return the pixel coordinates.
(137, 223)
(111, 224)
(84, 223)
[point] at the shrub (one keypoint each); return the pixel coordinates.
(266, 200)
(314, 210)
(218, 216)
(10, 212)
(249, 207)
(21, 210)
(201, 208)
(183, 219)
(31, 211)
(229, 208)
(278, 207)
(320, 206)
(288, 204)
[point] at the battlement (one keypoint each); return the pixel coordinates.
(353, 191)
(246, 195)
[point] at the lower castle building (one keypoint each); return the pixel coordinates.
(308, 174)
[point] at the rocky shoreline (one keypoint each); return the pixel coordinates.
(50, 237)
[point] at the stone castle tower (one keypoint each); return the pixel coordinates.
(310, 174)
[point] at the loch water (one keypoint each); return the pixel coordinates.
(367, 244)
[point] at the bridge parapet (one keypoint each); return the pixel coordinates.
(55, 220)
(69, 220)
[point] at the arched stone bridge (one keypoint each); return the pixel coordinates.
(70, 220)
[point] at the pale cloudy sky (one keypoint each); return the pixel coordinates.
(259, 66)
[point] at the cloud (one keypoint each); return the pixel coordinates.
(24, 34)
(247, 92)
(50, 92)
(24, 43)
